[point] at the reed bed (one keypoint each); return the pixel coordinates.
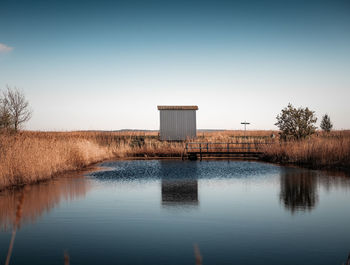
(322, 151)
(26, 158)
(31, 156)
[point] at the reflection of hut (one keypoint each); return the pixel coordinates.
(298, 189)
(179, 183)
(180, 191)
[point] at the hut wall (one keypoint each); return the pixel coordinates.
(177, 124)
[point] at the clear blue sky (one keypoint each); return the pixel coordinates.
(108, 64)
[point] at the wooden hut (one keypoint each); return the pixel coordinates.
(177, 123)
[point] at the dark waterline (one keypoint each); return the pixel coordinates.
(153, 212)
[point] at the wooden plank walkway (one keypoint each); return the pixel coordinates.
(244, 149)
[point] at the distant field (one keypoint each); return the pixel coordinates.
(31, 156)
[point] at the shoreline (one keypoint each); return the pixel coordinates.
(29, 157)
(96, 166)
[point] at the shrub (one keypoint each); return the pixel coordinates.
(296, 123)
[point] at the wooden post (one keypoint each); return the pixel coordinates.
(228, 148)
(200, 151)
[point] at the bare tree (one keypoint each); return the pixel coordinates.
(17, 107)
(5, 117)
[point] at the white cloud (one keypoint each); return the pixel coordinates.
(4, 48)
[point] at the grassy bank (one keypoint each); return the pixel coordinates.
(28, 157)
(323, 151)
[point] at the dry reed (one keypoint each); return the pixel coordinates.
(66, 258)
(332, 151)
(197, 255)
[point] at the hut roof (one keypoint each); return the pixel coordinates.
(177, 107)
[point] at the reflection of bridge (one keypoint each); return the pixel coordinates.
(246, 149)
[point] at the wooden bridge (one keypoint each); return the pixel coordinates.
(238, 150)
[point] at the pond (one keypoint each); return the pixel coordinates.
(156, 211)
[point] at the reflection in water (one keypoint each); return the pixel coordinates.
(179, 186)
(334, 180)
(180, 191)
(298, 189)
(19, 206)
(28, 203)
(159, 209)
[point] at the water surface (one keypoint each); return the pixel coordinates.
(153, 212)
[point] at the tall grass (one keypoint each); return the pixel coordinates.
(322, 151)
(28, 156)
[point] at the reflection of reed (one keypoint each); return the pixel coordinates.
(28, 203)
(333, 180)
(16, 224)
(298, 189)
(66, 258)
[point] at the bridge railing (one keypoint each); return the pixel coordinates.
(207, 147)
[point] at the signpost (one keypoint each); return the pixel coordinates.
(245, 126)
